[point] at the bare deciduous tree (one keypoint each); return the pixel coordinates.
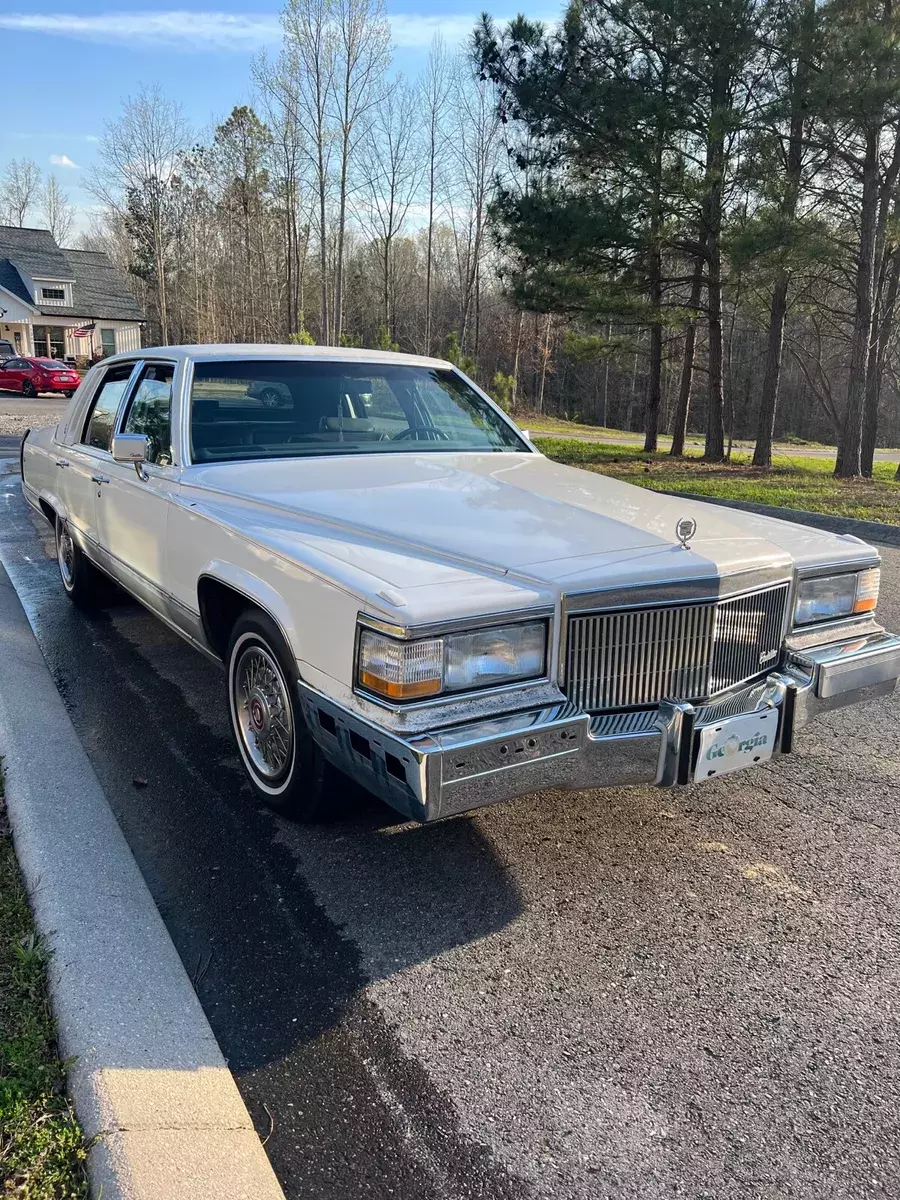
(362, 56)
(136, 167)
(19, 188)
(392, 171)
(435, 91)
(56, 210)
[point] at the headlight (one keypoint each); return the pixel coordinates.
(830, 596)
(456, 662)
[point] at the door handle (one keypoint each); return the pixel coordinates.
(100, 479)
(62, 462)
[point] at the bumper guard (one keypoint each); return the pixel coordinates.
(449, 771)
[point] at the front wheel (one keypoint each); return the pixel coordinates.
(271, 398)
(85, 585)
(286, 768)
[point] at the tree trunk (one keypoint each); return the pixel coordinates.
(324, 323)
(515, 370)
(880, 342)
(765, 429)
(679, 430)
(850, 451)
(429, 250)
(714, 184)
(654, 383)
(338, 318)
(545, 359)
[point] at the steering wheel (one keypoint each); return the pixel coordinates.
(425, 433)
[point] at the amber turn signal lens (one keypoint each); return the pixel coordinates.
(400, 670)
(393, 690)
(867, 587)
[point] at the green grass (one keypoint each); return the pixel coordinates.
(792, 482)
(42, 1151)
(539, 424)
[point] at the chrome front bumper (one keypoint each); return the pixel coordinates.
(448, 771)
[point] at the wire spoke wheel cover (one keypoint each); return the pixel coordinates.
(263, 713)
(65, 555)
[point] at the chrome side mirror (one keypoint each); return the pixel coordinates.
(132, 448)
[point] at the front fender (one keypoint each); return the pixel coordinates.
(259, 593)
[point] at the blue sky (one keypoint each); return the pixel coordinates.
(68, 67)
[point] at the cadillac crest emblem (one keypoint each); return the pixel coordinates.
(685, 530)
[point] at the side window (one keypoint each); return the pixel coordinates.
(102, 417)
(150, 411)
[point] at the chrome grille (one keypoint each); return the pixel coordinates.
(636, 658)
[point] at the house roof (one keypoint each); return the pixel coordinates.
(99, 290)
(13, 282)
(36, 251)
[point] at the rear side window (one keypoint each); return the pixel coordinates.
(150, 411)
(102, 417)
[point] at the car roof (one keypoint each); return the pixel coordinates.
(270, 350)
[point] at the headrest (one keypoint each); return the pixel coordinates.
(205, 410)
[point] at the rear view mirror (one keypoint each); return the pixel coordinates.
(132, 448)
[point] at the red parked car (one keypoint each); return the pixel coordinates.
(32, 375)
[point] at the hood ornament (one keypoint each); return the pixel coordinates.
(685, 529)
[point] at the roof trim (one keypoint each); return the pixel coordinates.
(250, 350)
(18, 300)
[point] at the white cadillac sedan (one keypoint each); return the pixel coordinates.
(401, 586)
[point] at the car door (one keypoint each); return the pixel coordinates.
(11, 375)
(83, 466)
(132, 510)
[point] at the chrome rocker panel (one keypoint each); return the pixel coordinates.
(439, 774)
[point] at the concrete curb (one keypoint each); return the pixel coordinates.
(148, 1081)
(869, 531)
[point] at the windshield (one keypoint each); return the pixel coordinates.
(254, 408)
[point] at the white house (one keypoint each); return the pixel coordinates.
(47, 293)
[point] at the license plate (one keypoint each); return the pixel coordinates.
(735, 743)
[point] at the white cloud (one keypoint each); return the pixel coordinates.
(183, 30)
(211, 30)
(63, 160)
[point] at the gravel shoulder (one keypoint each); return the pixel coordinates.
(18, 413)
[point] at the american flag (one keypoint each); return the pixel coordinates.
(84, 331)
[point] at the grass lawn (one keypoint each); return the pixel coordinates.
(793, 482)
(42, 1151)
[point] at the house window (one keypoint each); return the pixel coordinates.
(53, 293)
(49, 341)
(108, 338)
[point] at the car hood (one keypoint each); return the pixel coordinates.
(516, 513)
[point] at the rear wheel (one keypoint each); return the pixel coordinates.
(68, 395)
(286, 768)
(28, 389)
(85, 585)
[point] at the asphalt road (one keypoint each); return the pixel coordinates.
(616, 994)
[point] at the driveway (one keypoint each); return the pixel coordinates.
(620, 994)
